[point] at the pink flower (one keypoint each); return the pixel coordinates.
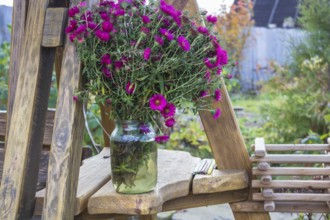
(80, 29)
(162, 139)
(103, 36)
(229, 76)
(159, 40)
(75, 98)
(119, 64)
(130, 88)
(106, 72)
(119, 12)
(170, 10)
(219, 70)
(203, 93)
(107, 26)
(91, 25)
(203, 30)
(170, 122)
(145, 30)
(104, 15)
(208, 63)
(184, 43)
(217, 113)
(222, 57)
(83, 4)
(73, 11)
(157, 102)
(105, 59)
(168, 110)
(217, 95)
(146, 19)
(69, 29)
(72, 37)
(211, 19)
(146, 54)
(166, 33)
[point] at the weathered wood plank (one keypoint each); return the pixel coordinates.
(50, 115)
(282, 158)
(94, 173)
(263, 166)
(66, 149)
(268, 193)
(293, 197)
(25, 134)
(308, 184)
(328, 177)
(53, 33)
(266, 179)
(220, 181)
(297, 147)
(175, 170)
(289, 171)
(296, 207)
(260, 149)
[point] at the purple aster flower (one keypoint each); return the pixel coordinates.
(217, 113)
(75, 98)
(162, 139)
(130, 88)
(119, 64)
(72, 37)
(146, 19)
(207, 76)
(211, 19)
(69, 29)
(105, 59)
(107, 26)
(87, 16)
(157, 102)
(73, 23)
(203, 30)
(166, 33)
(217, 95)
(219, 71)
(106, 72)
(167, 22)
(167, 9)
(104, 15)
(184, 43)
(170, 122)
(203, 93)
(81, 29)
(168, 110)
(146, 54)
(83, 4)
(222, 57)
(159, 40)
(119, 12)
(73, 11)
(91, 25)
(208, 63)
(103, 36)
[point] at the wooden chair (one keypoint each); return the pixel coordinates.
(36, 38)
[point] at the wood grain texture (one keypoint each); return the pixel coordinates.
(293, 197)
(296, 207)
(263, 166)
(58, 64)
(220, 181)
(107, 124)
(282, 158)
(292, 171)
(297, 147)
(53, 33)
(94, 173)
(267, 193)
(175, 170)
(18, 26)
(267, 179)
(25, 134)
(307, 184)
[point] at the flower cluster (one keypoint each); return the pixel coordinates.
(147, 60)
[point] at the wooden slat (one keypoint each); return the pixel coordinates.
(281, 158)
(293, 197)
(296, 207)
(172, 183)
(220, 181)
(297, 147)
(260, 149)
(263, 166)
(309, 184)
(328, 166)
(94, 173)
(268, 193)
(53, 32)
(25, 134)
(289, 171)
(266, 179)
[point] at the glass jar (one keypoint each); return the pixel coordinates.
(133, 157)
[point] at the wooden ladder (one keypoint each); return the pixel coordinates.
(37, 43)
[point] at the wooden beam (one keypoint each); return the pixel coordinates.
(263, 166)
(266, 179)
(289, 171)
(26, 131)
(268, 193)
(260, 149)
(292, 184)
(282, 158)
(297, 147)
(293, 197)
(53, 33)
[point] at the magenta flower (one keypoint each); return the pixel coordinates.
(108, 101)
(106, 72)
(146, 54)
(208, 63)
(130, 88)
(103, 36)
(69, 29)
(145, 30)
(222, 57)
(104, 15)
(203, 30)
(119, 64)
(119, 12)
(217, 95)
(73, 11)
(146, 19)
(203, 93)
(170, 122)
(211, 19)
(72, 37)
(75, 98)
(107, 26)
(166, 33)
(219, 71)
(144, 128)
(170, 10)
(184, 43)
(162, 139)
(217, 113)
(157, 102)
(159, 40)
(105, 59)
(91, 25)
(168, 110)
(83, 4)
(80, 29)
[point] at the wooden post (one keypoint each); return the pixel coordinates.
(27, 119)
